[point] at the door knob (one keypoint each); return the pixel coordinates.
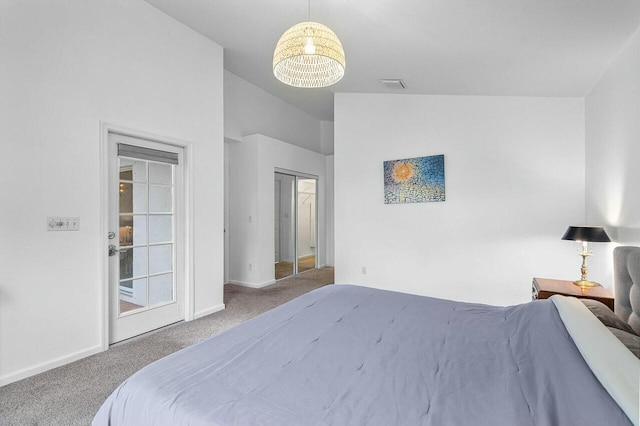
(113, 250)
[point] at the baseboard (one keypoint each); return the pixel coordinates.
(45, 366)
(208, 311)
(252, 285)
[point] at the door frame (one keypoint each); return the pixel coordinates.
(187, 239)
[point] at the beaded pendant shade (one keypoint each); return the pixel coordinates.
(309, 55)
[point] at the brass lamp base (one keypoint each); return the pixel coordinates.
(585, 283)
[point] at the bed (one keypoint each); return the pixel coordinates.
(351, 355)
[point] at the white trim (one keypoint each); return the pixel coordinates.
(296, 174)
(103, 239)
(188, 237)
(188, 242)
(296, 225)
(40, 368)
(209, 311)
(253, 285)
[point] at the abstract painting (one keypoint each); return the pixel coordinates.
(414, 180)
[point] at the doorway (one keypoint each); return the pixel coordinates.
(146, 224)
(295, 223)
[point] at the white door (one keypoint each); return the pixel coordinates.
(146, 220)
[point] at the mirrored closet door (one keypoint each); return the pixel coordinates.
(295, 223)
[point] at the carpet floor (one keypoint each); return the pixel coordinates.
(71, 394)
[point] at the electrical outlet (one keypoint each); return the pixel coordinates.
(364, 270)
(63, 223)
(250, 267)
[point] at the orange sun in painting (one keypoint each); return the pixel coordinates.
(402, 171)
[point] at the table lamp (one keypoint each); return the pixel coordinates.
(585, 235)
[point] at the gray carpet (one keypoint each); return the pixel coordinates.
(71, 395)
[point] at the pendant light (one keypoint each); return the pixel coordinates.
(309, 55)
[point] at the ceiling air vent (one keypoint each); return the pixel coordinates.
(393, 84)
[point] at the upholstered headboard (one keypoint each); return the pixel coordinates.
(626, 266)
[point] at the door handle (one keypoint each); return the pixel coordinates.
(113, 250)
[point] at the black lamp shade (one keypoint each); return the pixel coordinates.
(594, 234)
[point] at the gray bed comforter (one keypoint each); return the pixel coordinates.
(350, 355)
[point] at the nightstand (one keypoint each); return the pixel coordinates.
(543, 288)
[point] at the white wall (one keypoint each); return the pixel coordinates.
(253, 163)
(65, 68)
(612, 111)
(330, 211)
(326, 137)
(243, 223)
(514, 181)
(249, 109)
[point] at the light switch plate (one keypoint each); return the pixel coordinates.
(58, 223)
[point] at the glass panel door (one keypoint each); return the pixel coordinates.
(306, 224)
(146, 235)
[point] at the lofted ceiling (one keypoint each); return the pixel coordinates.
(445, 47)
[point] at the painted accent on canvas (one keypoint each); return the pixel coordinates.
(414, 180)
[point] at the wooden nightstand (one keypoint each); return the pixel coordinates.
(543, 288)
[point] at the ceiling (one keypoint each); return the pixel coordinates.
(445, 47)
